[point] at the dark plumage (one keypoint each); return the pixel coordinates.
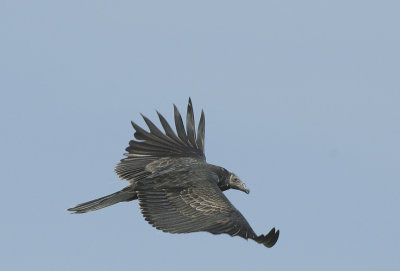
(178, 191)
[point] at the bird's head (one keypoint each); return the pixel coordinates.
(235, 183)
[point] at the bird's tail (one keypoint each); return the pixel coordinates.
(126, 194)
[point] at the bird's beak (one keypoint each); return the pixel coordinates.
(236, 183)
(243, 187)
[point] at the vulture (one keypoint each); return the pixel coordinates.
(177, 190)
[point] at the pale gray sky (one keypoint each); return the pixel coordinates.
(302, 102)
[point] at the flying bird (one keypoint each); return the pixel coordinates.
(178, 191)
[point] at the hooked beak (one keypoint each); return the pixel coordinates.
(236, 183)
(245, 188)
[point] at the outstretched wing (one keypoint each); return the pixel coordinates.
(191, 201)
(154, 144)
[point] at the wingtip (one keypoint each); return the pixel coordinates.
(134, 125)
(270, 239)
(143, 117)
(176, 111)
(146, 119)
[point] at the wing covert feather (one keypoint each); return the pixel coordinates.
(196, 204)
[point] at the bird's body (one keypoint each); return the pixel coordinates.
(178, 191)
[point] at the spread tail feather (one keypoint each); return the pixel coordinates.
(126, 194)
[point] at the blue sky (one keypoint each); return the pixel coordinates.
(302, 102)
